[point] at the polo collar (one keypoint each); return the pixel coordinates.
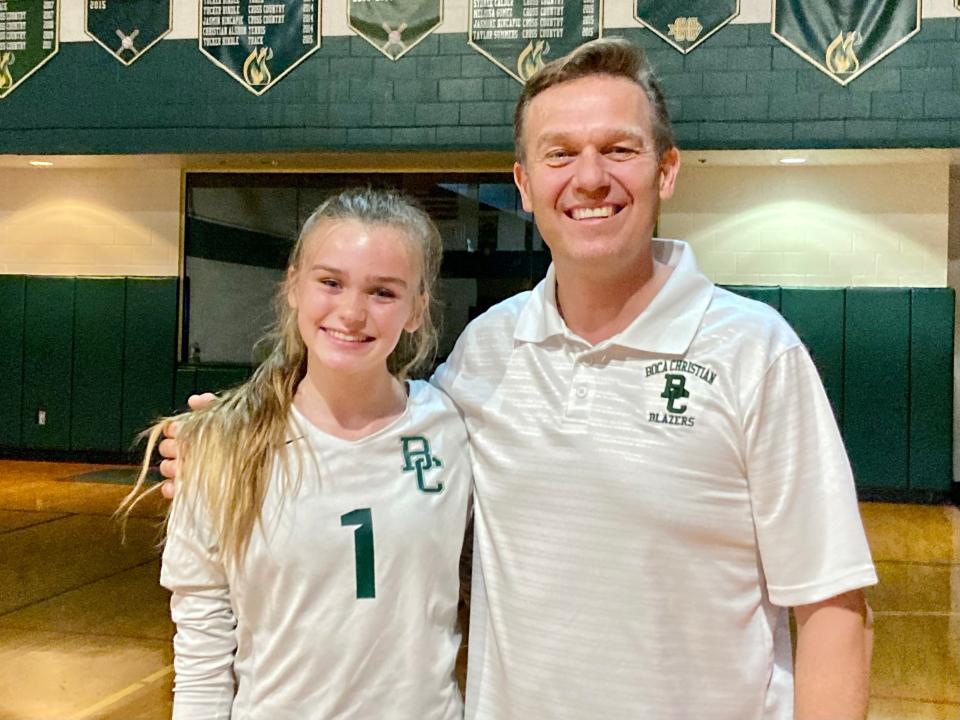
(666, 327)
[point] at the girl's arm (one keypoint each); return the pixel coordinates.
(205, 642)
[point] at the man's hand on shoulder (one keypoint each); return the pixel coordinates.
(168, 446)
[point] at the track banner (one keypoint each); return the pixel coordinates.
(394, 26)
(258, 42)
(844, 37)
(521, 35)
(685, 23)
(29, 36)
(127, 28)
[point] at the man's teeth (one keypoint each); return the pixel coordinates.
(345, 336)
(597, 212)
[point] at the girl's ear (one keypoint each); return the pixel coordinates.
(292, 287)
(416, 316)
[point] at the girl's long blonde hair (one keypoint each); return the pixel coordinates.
(227, 449)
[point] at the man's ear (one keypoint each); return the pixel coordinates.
(522, 181)
(669, 167)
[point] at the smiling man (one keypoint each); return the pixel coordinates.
(658, 473)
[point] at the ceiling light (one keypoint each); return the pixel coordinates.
(792, 161)
(41, 163)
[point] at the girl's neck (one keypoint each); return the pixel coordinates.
(350, 407)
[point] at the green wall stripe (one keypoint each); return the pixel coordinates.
(12, 298)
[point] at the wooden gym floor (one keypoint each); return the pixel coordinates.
(85, 634)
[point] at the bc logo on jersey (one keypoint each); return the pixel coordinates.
(676, 374)
(417, 458)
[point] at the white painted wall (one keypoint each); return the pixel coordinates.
(89, 222)
(881, 225)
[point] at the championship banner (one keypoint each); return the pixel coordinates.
(521, 35)
(29, 36)
(685, 23)
(844, 37)
(258, 42)
(127, 28)
(394, 26)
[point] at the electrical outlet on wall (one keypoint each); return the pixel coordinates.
(41, 417)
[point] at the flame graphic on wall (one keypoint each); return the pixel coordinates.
(255, 70)
(841, 59)
(6, 79)
(531, 58)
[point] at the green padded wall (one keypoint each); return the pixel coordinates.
(816, 314)
(931, 389)
(47, 361)
(185, 385)
(764, 293)
(215, 379)
(11, 358)
(876, 385)
(150, 342)
(95, 422)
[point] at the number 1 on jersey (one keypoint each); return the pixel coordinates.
(363, 549)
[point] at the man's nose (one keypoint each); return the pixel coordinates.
(590, 173)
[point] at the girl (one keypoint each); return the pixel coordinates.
(313, 545)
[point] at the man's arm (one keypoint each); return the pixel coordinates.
(834, 645)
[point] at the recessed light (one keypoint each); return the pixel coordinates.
(41, 163)
(792, 161)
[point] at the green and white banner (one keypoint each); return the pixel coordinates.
(29, 36)
(257, 42)
(845, 37)
(394, 26)
(127, 28)
(685, 23)
(521, 35)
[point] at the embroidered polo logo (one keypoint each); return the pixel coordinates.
(417, 458)
(674, 390)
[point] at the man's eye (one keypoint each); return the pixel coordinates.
(558, 156)
(621, 152)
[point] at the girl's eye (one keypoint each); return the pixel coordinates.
(384, 293)
(329, 282)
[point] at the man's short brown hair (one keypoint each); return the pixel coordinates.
(615, 57)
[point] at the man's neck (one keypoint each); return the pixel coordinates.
(597, 308)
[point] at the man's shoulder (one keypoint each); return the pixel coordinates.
(498, 321)
(753, 316)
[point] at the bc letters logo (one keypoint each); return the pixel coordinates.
(417, 458)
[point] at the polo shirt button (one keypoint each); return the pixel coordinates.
(581, 392)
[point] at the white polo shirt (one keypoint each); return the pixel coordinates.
(647, 507)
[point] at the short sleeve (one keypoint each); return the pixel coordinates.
(810, 536)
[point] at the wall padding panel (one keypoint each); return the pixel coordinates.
(150, 342)
(764, 293)
(98, 365)
(47, 362)
(12, 289)
(931, 388)
(876, 385)
(817, 316)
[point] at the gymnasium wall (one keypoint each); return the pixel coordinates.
(102, 221)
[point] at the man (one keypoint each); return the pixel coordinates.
(658, 475)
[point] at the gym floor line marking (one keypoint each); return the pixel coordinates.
(120, 694)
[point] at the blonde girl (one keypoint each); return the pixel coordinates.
(312, 547)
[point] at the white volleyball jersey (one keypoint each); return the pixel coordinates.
(648, 507)
(345, 607)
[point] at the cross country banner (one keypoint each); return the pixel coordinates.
(844, 37)
(127, 28)
(394, 26)
(258, 42)
(684, 24)
(521, 36)
(29, 37)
